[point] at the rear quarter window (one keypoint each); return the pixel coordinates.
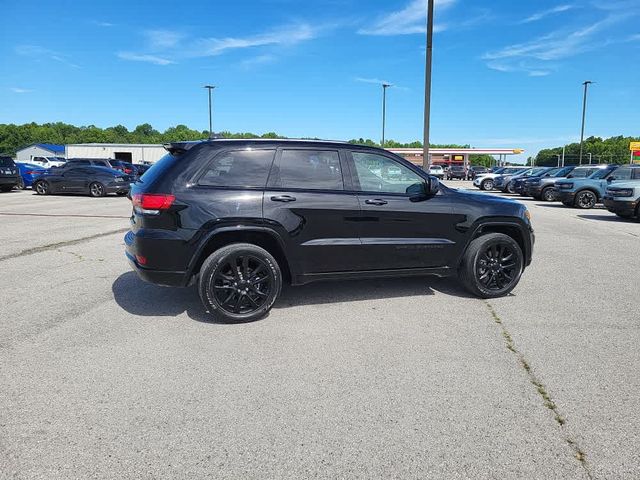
(238, 168)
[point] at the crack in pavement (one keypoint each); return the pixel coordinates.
(55, 246)
(548, 402)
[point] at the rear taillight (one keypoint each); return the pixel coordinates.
(30, 172)
(127, 171)
(152, 202)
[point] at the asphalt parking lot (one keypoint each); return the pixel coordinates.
(103, 376)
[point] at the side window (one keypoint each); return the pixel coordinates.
(636, 173)
(238, 168)
(621, 174)
(377, 173)
(307, 169)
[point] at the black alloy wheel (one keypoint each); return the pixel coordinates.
(586, 199)
(492, 265)
(42, 188)
(240, 282)
(96, 189)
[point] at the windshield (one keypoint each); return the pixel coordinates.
(603, 172)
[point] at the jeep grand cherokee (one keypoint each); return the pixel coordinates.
(240, 217)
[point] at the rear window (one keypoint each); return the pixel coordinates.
(158, 168)
(239, 168)
(6, 162)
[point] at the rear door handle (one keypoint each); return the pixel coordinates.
(375, 201)
(283, 198)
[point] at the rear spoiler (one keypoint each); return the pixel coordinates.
(178, 148)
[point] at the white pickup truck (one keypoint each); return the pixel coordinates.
(48, 162)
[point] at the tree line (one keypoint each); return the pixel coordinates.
(14, 137)
(596, 149)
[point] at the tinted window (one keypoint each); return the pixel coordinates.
(602, 173)
(377, 173)
(6, 162)
(636, 173)
(621, 174)
(308, 169)
(239, 168)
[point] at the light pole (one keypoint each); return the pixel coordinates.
(384, 108)
(426, 161)
(210, 88)
(584, 112)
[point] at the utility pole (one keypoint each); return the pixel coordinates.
(584, 111)
(426, 161)
(384, 109)
(558, 155)
(590, 158)
(210, 88)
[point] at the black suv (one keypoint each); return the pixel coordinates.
(239, 217)
(9, 175)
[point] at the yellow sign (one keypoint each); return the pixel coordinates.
(518, 150)
(634, 146)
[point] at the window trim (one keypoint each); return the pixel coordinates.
(203, 171)
(399, 160)
(346, 184)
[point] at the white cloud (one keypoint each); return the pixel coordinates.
(538, 57)
(410, 19)
(104, 24)
(20, 90)
(287, 35)
(163, 39)
(41, 53)
(377, 81)
(545, 13)
(145, 58)
(258, 60)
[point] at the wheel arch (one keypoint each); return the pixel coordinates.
(262, 237)
(509, 228)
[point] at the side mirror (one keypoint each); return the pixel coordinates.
(423, 190)
(433, 186)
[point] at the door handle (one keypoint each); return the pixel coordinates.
(375, 201)
(283, 198)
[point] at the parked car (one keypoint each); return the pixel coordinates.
(457, 172)
(83, 180)
(47, 162)
(585, 193)
(28, 172)
(503, 182)
(623, 198)
(437, 171)
(476, 170)
(240, 217)
(543, 188)
(486, 181)
(8, 174)
(86, 162)
(125, 167)
(519, 183)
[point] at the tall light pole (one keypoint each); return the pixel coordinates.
(384, 109)
(210, 88)
(584, 112)
(426, 161)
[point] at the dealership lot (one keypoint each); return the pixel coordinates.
(105, 376)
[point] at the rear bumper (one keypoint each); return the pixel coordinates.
(8, 181)
(169, 278)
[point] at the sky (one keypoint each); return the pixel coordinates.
(506, 74)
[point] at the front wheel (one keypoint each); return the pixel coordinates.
(548, 194)
(240, 282)
(492, 265)
(487, 184)
(96, 189)
(586, 200)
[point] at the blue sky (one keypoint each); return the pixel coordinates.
(506, 73)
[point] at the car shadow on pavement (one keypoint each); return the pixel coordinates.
(607, 218)
(144, 299)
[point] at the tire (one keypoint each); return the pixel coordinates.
(221, 286)
(41, 188)
(486, 184)
(492, 265)
(96, 189)
(21, 185)
(510, 188)
(121, 194)
(585, 200)
(548, 194)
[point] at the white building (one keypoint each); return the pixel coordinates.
(128, 152)
(26, 154)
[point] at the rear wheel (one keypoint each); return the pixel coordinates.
(492, 265)
(586, 199)
(510, 188)
(96, 189)
(41, 188)
(21, 185)
(240, 282)
(487, 184)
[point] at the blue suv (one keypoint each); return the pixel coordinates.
(585, 193)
